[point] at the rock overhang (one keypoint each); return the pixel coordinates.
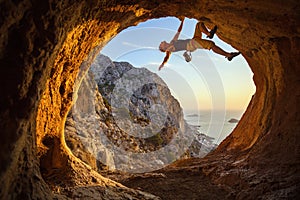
(42, 49)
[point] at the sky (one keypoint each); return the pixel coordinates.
(209, 81)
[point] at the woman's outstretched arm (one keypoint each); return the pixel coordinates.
(168, 53)
(178, 31)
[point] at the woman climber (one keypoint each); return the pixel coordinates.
(191, 45)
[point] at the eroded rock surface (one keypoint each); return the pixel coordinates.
(43, 44)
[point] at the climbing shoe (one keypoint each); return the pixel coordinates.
(188, 56)
(212, 32)
(232, 55)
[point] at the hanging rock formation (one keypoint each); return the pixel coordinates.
(43, 44)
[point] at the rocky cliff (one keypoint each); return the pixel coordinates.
(44, 43)
(123, 107)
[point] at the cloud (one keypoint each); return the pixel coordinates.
(132, 45)
(156, 64)
(138, 46)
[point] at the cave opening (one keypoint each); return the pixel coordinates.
(199, 79)
(213, 93)
(197, 84)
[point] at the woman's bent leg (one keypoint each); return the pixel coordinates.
(220, 51)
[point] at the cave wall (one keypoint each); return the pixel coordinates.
(43, 44)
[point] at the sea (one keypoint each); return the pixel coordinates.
(217, 124)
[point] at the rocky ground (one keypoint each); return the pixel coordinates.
(174, 182)
(190, 184)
